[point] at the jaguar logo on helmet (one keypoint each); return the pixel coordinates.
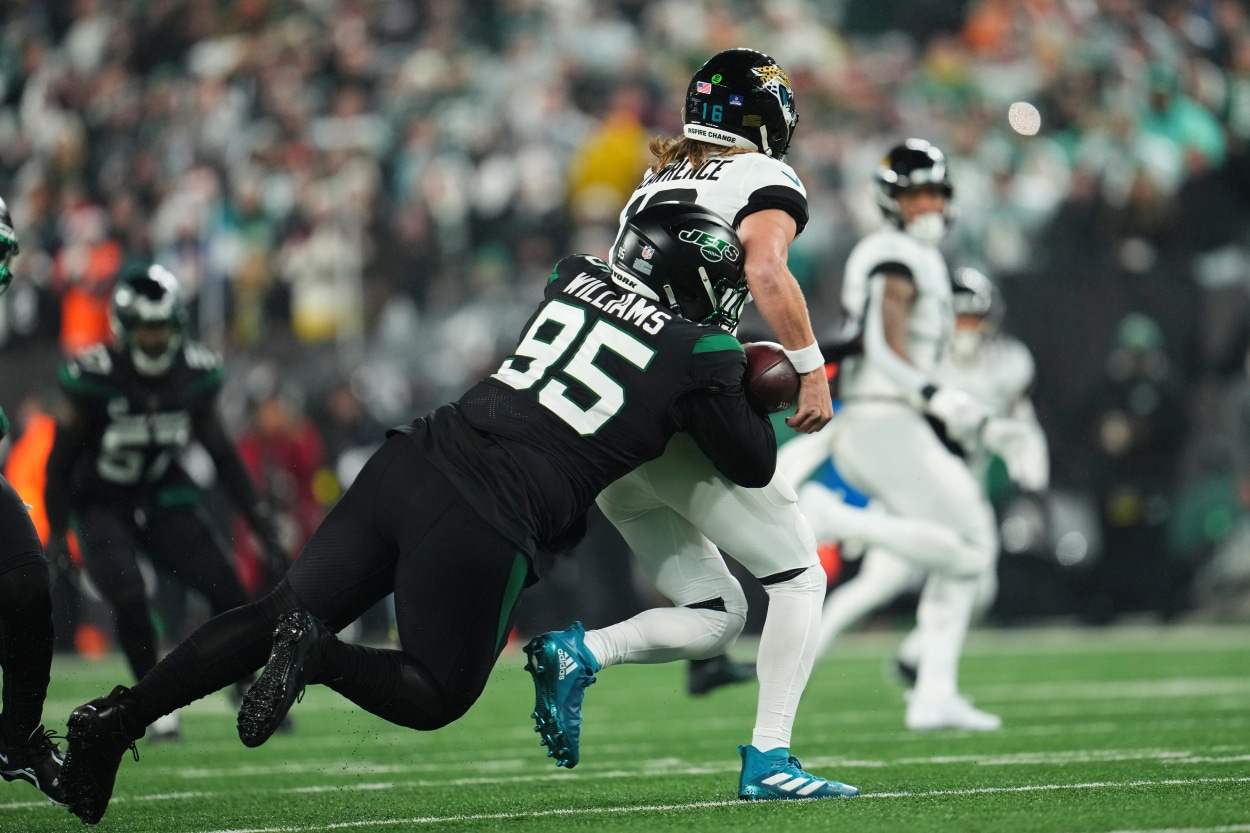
(713, 248)
(774, 79)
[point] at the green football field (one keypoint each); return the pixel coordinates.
(1134, 729)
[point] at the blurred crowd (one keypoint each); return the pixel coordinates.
(363, 196)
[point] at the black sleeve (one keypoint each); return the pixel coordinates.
(789, 200)
(738, 441)
(231, 473)
(66, 445)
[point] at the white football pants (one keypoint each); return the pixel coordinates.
(674, 512)
(935, 517)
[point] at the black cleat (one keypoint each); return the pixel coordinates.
(703, 675)
(293, 663)
(97, 741)
(37, 760)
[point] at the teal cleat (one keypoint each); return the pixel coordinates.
(776, 774)
(562, 668)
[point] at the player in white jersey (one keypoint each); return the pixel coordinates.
(997, 371)
(897, 292)
(674, 512)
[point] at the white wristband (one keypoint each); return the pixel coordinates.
(807, 359)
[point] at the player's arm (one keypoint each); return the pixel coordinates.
(891, 296)
(68, 442)
(716, 414)
(766, 236)
(237, 483)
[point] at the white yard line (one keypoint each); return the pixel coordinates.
(670, 808)
(665, 808)
(679, 766)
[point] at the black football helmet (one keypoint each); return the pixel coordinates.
(686, 258)
(148, 295)
(8, 247)
(741, 98)
(913, 164)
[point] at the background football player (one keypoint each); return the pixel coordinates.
(601, 379)
(675, 511)
(27, 752)
(997, 371)
(897, 294)
(114, 472)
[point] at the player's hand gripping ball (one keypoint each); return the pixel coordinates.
(771, 382)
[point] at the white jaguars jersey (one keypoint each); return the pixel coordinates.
(730, 185)
(932, 319)
(998, 375)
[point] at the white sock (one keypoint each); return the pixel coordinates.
(786, 655)
(665, 634)
(945, 609)
(881, 578)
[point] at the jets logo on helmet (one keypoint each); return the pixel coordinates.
(708, 287)
(712, 248)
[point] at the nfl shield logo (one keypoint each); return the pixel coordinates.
(647, 251)
(735, 101)
(703, 87)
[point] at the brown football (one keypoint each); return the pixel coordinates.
(771, 382)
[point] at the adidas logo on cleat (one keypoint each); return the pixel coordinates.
(567, 664)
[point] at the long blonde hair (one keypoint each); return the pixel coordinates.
(667, 149)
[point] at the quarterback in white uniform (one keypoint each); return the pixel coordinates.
(675, 511)
(897, 292)
(997, 371)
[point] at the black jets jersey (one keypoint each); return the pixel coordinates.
(135, 426)
(600, 381)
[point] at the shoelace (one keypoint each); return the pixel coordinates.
(40, 741)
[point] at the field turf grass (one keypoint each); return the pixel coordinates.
(1133, 729)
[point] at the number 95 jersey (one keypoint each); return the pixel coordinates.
(600, 381)
(135, 426)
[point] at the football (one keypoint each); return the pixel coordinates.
(771, 382)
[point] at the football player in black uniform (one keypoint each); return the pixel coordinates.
(114, 475)
(449, 512)
(26, 750)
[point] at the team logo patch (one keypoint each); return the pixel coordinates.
(774, 79)
(703, 87)
(713, 248)
(735, 100)
(648, 252)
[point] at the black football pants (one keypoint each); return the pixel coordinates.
(26, 619)
(177, 539)
(400, 527)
